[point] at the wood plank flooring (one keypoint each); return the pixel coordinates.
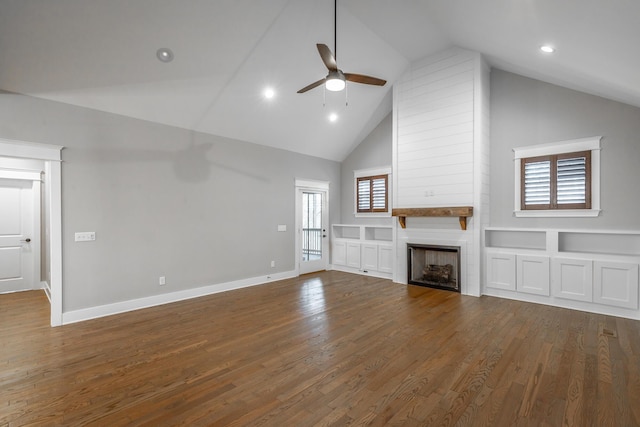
(324, 349)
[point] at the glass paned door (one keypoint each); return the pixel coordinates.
(313, 253)
(311, 226)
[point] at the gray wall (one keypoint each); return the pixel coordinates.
(528, 112)
(374, 151)
(163, 201)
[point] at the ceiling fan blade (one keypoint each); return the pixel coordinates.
(367, 80)
(327, 57)
(311, 86)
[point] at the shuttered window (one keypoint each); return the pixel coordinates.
(560, 181)
(537, 182)
(372, 193)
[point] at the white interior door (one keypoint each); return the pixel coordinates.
(313, 221)
(17, 245)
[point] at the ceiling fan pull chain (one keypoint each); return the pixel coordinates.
(324, 96)
(346, 95)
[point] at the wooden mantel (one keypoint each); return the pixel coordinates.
(462, 212)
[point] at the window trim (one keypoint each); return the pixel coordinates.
(372, 172)
(592, 144)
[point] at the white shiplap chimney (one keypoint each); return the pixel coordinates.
(441, 155)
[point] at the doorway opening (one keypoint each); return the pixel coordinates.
(52, 213)
(312, 219)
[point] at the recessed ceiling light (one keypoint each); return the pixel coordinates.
(164, 54)
(269, 93)
(333, 117)
(547, 49)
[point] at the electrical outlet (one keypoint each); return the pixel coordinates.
(162, 281)
(273, 264)
(85, 236)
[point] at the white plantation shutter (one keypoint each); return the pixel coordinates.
(557, 182)
(372, 193)
(379, 193)
(572, 178)
(364, 195)
(537, 183)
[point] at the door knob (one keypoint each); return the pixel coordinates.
(27, 240)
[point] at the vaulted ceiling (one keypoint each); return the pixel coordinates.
(101, 54)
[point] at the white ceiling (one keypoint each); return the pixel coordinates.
(101, 54)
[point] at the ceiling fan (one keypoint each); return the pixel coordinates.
(336, 80)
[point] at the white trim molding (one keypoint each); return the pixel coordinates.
(560, 147)
(29, 150)
(89, 313)
(24, 175)
(382, 170)
(309, 183)
(592, 144)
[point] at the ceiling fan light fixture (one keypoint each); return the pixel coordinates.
(335, 81)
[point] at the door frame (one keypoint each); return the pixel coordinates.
(308, 185)
(51, 155)
(36, 181)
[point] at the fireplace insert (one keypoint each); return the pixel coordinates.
(434, 266)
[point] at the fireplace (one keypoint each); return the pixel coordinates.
(434, 266)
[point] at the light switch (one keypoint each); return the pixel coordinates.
(85, 236)
(282, 227)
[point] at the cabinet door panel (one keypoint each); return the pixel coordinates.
(572, 279)
(532, 274)
(385, 259)
(339, 253)
(616, 284)
(501, 271)
(369, 257)
(353, 255)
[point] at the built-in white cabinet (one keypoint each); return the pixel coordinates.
(522, 273)
(385, 258)
(572, 279)
(353, 255)
(501, 271)
(532, 274)
(339, 252)
(616, 284)
(362, 249)
(369, 256)
(345, 253)
(586, 270)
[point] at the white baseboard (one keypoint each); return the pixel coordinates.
(372, 273)
(47, 290)
(152, 301)
(563, 303)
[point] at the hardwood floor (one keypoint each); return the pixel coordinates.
(323, 349)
